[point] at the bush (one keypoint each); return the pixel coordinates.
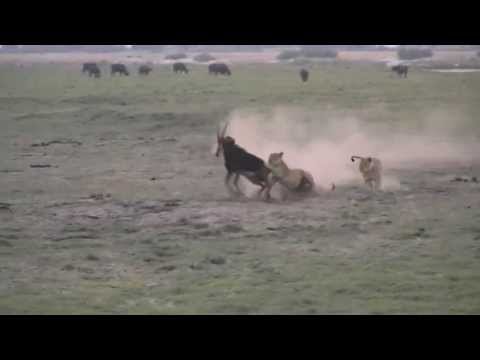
(308, 53)
(176, 56)
(319, 53)
(156, 48)
(414, 53)
(204, 58)
(302, 62)
(289, 55)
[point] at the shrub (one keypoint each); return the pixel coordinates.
(312, 52)
(414, 53)
(289, 54)
(176, 56)
(308, 52)
(204, 58)
(302, 62)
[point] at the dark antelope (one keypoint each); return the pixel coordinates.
(239, 162)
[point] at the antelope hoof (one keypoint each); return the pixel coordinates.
(238, 194)
(266, 197)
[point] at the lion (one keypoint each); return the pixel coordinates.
(371, 169)
(293, 180)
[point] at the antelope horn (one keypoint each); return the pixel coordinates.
(224, 130)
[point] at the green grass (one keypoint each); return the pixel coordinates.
(272, 83)
(359, 87)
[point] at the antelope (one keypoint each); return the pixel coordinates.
(239, 162)
(371, 170)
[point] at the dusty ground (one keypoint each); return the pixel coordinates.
(132, 216)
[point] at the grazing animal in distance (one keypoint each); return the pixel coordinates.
(304, 74)
(95, 72)
(119, 69)
(293, 180)
(145, 70)
(92, 69)
(401, 70)
(239, 162)
(219, 68)
(371, 169)
(87, 66)
(180, 68)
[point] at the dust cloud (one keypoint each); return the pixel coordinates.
(323, 144)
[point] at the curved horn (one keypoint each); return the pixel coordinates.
(223, 132)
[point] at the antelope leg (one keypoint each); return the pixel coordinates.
(259, 194)
(235, 182)
(270, 184)
(255, 180)
(227, 182)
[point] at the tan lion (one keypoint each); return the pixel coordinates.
(292, 180)
(371, 169)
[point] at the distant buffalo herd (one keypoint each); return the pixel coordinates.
(93, 70)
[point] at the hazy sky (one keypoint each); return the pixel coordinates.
(129, 46)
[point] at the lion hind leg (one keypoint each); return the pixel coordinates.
(307, 183)
(378, 184)
(371, 184)
(284, 192)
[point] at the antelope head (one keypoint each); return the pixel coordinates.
(223, 140)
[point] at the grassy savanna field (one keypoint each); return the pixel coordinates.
(161, 236)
